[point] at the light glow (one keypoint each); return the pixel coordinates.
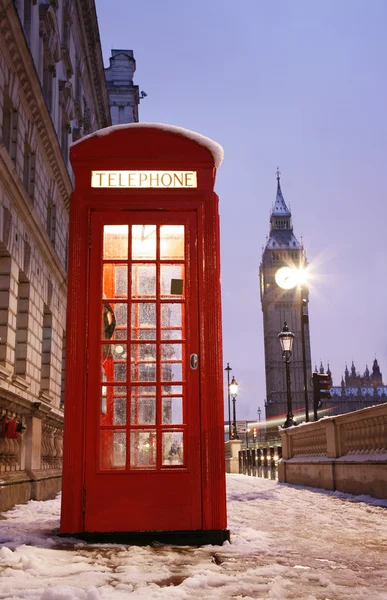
(290, 277)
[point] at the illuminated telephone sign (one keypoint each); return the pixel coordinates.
(144, 179)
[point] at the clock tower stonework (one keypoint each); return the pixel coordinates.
(279, 305)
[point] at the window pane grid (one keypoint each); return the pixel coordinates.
(148, 291)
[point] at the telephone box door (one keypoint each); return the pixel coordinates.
(143, 419)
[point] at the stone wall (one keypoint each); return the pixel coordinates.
(346, 453)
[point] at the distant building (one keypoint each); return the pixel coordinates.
(52, 92)
(124, 96)
(279, 305)
(355, 391)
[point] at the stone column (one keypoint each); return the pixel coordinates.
(232, 448)
(33, 438)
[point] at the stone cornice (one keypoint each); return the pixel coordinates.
(89, 26)
(11, 31)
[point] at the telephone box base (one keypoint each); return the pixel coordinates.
(214, 537)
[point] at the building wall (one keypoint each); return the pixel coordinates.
(50, 95)
(123, 94)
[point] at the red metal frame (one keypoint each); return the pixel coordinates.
(146, 149)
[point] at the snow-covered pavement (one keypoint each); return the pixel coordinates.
(286, 542)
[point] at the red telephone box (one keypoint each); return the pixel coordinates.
(144, 441)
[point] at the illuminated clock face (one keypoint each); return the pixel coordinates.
(286, 278)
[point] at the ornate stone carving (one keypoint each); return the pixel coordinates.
(49, 31)
(52, 447)
(66, 98)
(366, 436)
(310, 443)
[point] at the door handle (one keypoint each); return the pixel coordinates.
(193, 361)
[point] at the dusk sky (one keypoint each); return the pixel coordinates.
(291, 83)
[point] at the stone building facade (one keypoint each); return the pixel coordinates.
(52, 92)
(279, 305)
(124, 96)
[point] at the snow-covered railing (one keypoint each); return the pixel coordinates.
(360, 432)
(346, 452)
(367, 435)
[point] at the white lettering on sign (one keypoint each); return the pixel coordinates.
(144, 179)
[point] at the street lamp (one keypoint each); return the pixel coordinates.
(247, 437)
(259, 420)
(286, 338)
(233, 387)
(228, 369)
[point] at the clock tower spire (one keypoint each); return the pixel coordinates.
(283, 299)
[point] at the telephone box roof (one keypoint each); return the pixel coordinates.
(214, 148)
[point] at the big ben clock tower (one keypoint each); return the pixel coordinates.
(284, 298)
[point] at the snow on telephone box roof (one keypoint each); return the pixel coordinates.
(214, 148)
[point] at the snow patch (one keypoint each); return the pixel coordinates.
(215, 148)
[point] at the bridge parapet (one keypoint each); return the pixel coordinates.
(346, 452)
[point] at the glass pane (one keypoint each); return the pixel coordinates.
(143, 320)
(120, 371)
(171, 315)
(111, 370)
(143, 405)
(143, 449)
(121, 280)
(171, 242)
(170, 276)
(143, 281)
(115, 241)
(121, 312)
(113, 449)
(115, 280)
(168, 390)
(119, 410)
(171, 372)
(173, 450)
(143, 334)
(120, 334)
(171, 351)
(113, 405)
(119, 351)
(143, 242)
(143, 372)
(171, 321)
(143, 352)
(114, 321)
(172, 413)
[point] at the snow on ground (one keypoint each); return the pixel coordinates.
(286, 542)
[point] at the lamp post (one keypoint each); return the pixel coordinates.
(233, 387)
(259, 421)
(247, 437)
(228, 369)
(286, 338)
